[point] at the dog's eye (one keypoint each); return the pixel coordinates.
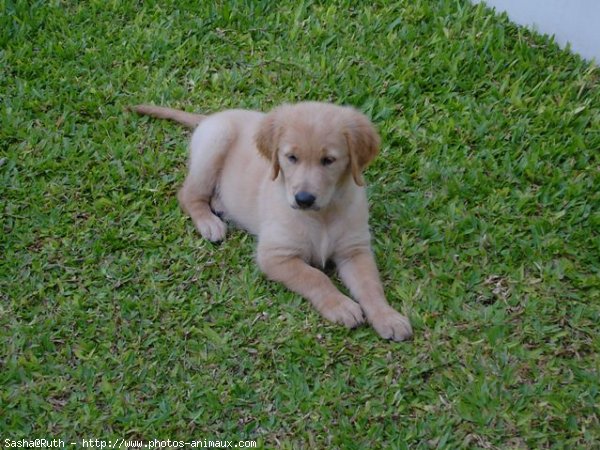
(292, 159)
(327, 161)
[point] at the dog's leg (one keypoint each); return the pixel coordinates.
(313, 285)
(196, 204)
(359, 273)
(208, 148)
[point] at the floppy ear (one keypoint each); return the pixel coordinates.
(267, 141)
(363, 144)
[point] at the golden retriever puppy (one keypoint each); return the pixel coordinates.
(293, 178)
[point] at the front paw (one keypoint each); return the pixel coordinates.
(390, 324)
(341, 309)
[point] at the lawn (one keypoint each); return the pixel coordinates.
(118, 321)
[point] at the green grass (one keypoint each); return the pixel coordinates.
(118, 320)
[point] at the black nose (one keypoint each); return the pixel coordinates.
(304, 199)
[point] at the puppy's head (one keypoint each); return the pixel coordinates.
(316, 148)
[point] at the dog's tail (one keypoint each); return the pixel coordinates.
(187, 119)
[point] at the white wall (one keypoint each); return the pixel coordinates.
(574, 21)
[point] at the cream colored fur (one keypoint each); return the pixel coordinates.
(250, 167)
